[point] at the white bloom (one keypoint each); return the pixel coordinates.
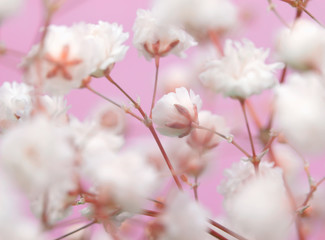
(127, 180)
(65, 60)
(299, 112)
(9, 7)
(91, 138)
(13, 224)
(156, 38)
(175, 112)
(199, 16)
(303, 46)
(202, 139)
(110, 118)
(37, 155)
(55, 107)
(109, 38)
(15, 102)
(183, 219)
(256, 203)
(242, 72)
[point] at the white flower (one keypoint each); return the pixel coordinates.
(9, 7)
(199, 16)
(175, 112)
(66, 59)
(299, 112)
(183, 219)
(242, 72)
(109, 38)
(55, 107)
(155, 38)
(303, 46)
(12, 215)
(126, 180)
(256, 203)
(203, 140)
(15, 102)
(37, 155)
(110, 118)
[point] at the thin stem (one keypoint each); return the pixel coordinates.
(272, 8)
(149, 213)
(242, 103)
(114, 103)
(310, 15)
(226, 230)
(195, 188)
(311, 192)
(216, 41)
(226, 138)
(283, 74)
(77, 230)
(253, 114)
(148, 123)
(171, 169)
(217, 235)
(157, 58)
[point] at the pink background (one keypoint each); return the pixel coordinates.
(136, 74)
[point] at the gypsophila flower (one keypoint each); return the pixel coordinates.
(122, 180)
(199, 16)
(13, 224)
(299, 105)
(110, 118)
(15, 103)
(109, 38)
(66, 58)
(183, 219)
(155, 38)
(175, 113)
(204, 140)
(256, 203)
(37, 154)
(242, 72)
(303, 46)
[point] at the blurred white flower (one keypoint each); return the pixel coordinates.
(156, 38)
(204, 140)
(123, 180)
(9, 7)
(199, 16)
(303, 46)
(256, 204)
(183, 219)
(299, 112)
(37, 155)
(175, 112)
(109, 39)
(55, 107)
(13, 224)
(110, 118)
(15, 103)
(66, 58)
(242, 72)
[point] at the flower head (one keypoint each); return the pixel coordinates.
(303, 46)
(175, 112)
(242, 72)
(299, 114)
(153, 37)
(199, 16)
(109, 38)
